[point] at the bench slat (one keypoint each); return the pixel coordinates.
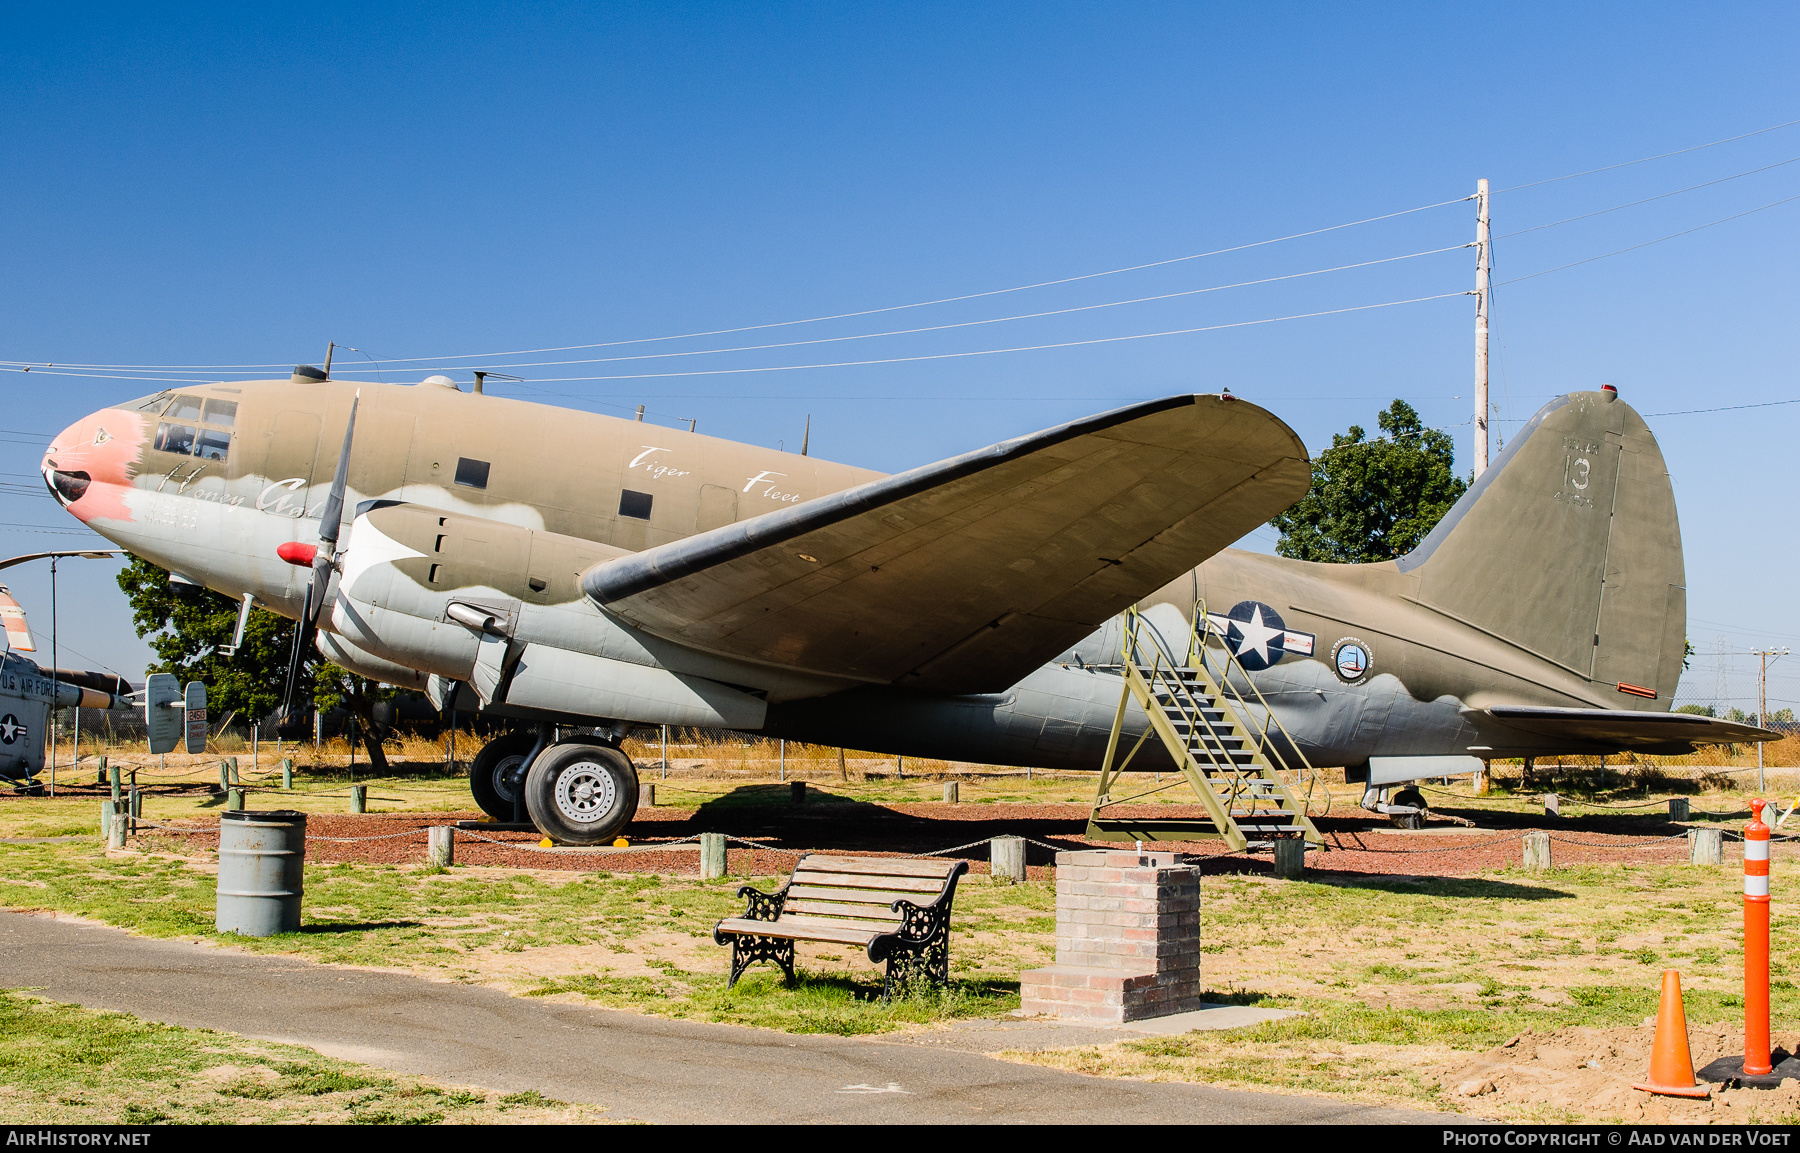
(840, 910)
(924, 885)
(799, 928)
(858, 896)
(927, 886)
(878, 866)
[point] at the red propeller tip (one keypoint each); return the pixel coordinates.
(296, 553)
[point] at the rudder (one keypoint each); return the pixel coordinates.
(1568, 546)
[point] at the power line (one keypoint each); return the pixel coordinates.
(994, 351)
(1659, 156)
(1648, 199)
(1648, 243)
(990, 320)
(1727, 408)
(783, 323)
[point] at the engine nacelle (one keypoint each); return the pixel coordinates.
(500, 608)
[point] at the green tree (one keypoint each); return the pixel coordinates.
(187, 626)
(1373, 500)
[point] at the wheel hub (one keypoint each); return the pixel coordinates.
(509, 779)
(585, 792)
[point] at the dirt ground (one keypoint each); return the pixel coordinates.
(1591, 1070)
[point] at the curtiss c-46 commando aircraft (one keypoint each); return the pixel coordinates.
(580, 574)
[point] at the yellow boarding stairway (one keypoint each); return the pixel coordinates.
(1234, 756)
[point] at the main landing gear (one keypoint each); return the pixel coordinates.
(581, 791)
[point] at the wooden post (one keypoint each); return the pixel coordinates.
(359, 798)
(1706, 847)
(287, 772)
(101, 780)
(106, 812)
(797, 792)
(224, 776)
(900, 768)
(712, 856)
(1290, 858)
(136, 800)
(1537, 850)
(665, 754)
(235, 779)
(781, 747)
(115, 830)
(1552, 805)
(1006, 859)
(1480, 783)
(1678, 809)
(843, 766)
(234, 800)
(440, 846)
(950, 792)
(647, 796)
(117, 791)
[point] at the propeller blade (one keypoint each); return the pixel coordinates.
(323, 563)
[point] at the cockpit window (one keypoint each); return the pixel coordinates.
(213, 444)
(185, 408)
(221, 412)
(175, 437)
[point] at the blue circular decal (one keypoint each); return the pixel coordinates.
(1350, 659)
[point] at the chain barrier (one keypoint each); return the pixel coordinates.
(1339, 837)
(1634, 845)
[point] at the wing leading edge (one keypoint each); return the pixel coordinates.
(964, 575)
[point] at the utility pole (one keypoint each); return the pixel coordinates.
(1762, 702)
(1483, 271)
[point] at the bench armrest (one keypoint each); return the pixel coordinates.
(763, 906)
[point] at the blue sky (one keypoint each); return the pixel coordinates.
(215, 185)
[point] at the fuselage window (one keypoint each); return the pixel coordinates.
(473, 473)
(634, 504)
(213, 444)
(183, 432)
(175, 438)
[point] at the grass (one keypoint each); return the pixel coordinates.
(61, 1064)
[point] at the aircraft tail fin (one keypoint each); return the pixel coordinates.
(1568, 546)
(18, 629)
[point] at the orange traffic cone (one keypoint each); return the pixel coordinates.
(1671, 1065)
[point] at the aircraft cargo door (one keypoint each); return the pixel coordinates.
(718, 507)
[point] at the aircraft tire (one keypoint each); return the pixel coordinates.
(497, 774)
(1410, 820)
(581, 794)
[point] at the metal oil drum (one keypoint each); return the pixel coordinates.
(262, 859)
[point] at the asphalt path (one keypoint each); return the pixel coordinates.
(638, 1067)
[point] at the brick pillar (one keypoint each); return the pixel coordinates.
(1127, 939)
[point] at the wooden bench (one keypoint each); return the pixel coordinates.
(896, 908)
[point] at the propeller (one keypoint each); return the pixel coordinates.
(323, 559)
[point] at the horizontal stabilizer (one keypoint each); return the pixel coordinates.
(1629, 729)
(963, 576)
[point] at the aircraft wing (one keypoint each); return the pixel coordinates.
(1628, 728)
(963, 576)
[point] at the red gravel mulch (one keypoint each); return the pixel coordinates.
(780, 833)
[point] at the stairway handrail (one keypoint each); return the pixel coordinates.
(1216, 753)
(1202, 630)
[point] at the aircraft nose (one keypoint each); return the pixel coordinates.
(67, 482)
(95, 454)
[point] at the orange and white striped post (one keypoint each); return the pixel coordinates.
(1756, 944)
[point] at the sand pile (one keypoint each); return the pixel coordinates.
(1589, 1072)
